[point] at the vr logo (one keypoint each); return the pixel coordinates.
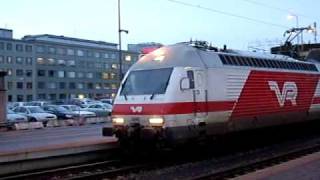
(289, 92)
(136, 109)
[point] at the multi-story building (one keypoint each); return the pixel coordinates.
(141, 46)
(49, 67)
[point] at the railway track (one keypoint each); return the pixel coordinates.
(227, 162)
(252, 164)
(84, 171)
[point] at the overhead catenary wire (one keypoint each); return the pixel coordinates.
(265, 5)
(228, 14)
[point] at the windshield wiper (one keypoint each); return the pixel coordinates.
(152, 96)
(125, 96)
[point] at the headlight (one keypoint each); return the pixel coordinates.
(117, 120)
(156, 121)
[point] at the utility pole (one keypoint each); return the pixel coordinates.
(120, 51)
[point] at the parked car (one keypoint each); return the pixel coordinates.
(60, 112)
(13, 117)
(35, 113)
(79, 111)
(100, 109)
(37, 103)
(106, 101)
(12, 105)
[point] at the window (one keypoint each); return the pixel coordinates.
(41, 73)
(89, 75)
(1, 45)
(9, 85)
(89, 53)
(52, 85)
(9, 98)
(29, 97)
(70, 52)
(113, 56)
(51, 61)
(106, 86)
(98, 86)
(128, 58)
(19, 60)
(19, 47)
(105, 75)
(40, 49)
(113, 75)
(80, 75)
(60, 51)
(90, 85)
(62, 96)
(52, 96)
(72, 85)
(62, 85)
(1, 60)
(52, 50)
(29, 60)
(106, 55)
(9, 46)
(96, 54)
(106, 66)
(113, 86)
(80, 52)
(71, 63)
(40, 60)
(9, 71)
(114, 66)
(19, 85)
(9, 60)
(19, 98)
(99, 65)
(29, 85)
(29, 73)
(19, 72)
(41, 85)
(51, 73)
(71, 74)
(61, 62)
(42, 96)
(61, 74)
(80, 85)
(28, 48)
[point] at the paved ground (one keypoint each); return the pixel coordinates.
(24, 140)
(307, 167)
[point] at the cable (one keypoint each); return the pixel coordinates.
(276, 8)
(228, 14)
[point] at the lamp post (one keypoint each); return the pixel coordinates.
(291, 16)
(119, 32)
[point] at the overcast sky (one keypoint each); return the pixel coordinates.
(161, 21)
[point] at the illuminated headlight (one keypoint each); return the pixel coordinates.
(156, 121)
(117, 120)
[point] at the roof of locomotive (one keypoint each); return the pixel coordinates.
(187, 55)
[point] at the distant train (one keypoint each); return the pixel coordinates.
(189, 90)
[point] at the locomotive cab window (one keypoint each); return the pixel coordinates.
(190, 76)
(151, 81)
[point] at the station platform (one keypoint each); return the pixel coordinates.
(18, 147)
(306, 167)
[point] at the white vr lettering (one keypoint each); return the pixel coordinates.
(289, 92)
(136, 109)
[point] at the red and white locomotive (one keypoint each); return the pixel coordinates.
(188, 90)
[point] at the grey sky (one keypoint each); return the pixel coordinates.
(161, 21)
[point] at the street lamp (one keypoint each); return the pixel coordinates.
(290, 17)
(120, 51)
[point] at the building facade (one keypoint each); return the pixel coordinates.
(49, 67)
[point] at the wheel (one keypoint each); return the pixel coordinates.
(33, 120)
